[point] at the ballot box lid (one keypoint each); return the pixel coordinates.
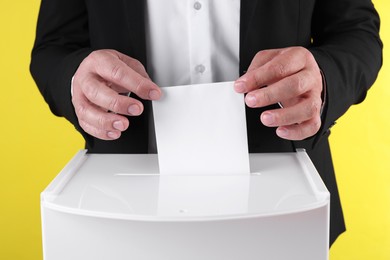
(129, 186)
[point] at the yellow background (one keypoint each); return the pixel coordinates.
(35, 145)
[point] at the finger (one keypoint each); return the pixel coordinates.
(116, 88)
(299, 131)
(301, 112)
(98, 132)
(114, 70)
(134, 64)
(286, 63)
(98, 93)
(285, 89)
(263, 57)
(97, 118)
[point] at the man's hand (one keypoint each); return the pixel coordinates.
(96, 87)
(292, 77)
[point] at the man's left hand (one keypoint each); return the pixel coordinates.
(291, 77)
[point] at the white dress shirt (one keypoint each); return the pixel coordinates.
(192, 41)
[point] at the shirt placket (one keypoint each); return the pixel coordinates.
(199, 41)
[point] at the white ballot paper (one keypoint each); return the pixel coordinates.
(201, 129)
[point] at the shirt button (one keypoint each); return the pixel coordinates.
(200, 68)
(197, 5)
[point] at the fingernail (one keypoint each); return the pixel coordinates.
(118, 125)
(267, 118)
(240, 86)
(250, 100)
(154, 94)
(113, 135)
(282, 132)
(134, 110)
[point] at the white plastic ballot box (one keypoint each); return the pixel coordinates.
(114, 207)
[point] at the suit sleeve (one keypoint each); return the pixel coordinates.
(62, 42)
(348, 49)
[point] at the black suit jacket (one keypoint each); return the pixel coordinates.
(341, 34)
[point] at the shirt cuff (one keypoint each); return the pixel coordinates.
(323, 94)
(71, 87)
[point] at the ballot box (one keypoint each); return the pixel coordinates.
(106, 206)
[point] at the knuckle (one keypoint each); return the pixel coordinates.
(102, 59)
(93, 131)
(80, 110)
(140, 86)
(117, 73)
(91, 91)
(110, 52)
(102, 122)
(267, 97)
(84, 126)
(88, 129)
(93, 58)
(139, 68)
(315, 126)
(88, 62)
(114, 105)
(300, 49)
(306, 53)
(136, 63)
(90, 58)
(259, 54)
(257, 79)
(313, 109)
(285, 119)
(75, 101)
(300, 85)
(307, 129)
(94, 54)
(279, 69)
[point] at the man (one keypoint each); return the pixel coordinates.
(312, 58)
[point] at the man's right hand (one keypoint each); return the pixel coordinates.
(97, 85)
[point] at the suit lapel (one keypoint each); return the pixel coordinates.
(247, 11)
(136, 26)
